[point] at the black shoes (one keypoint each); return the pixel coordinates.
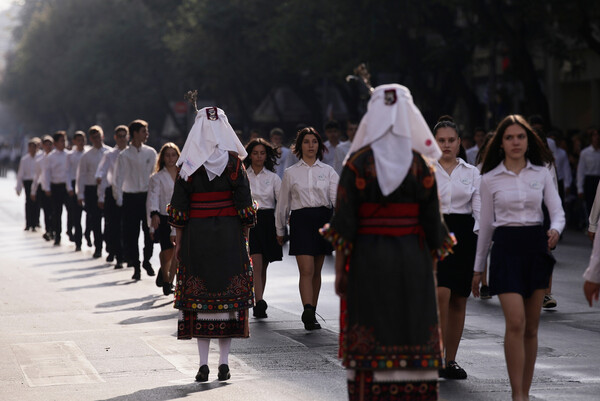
(48, 236)
(453, 371)
(202, 375)
(309, 319)
(57, 240)
(260, 310)
(137, 274)
(159, 278)
(78, 248)
(88, 238)
(118, 266)
(110, 257)
(168, 288)
(223, 372)
(148, 267)
(97, 254)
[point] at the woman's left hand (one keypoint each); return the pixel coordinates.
(553, 238)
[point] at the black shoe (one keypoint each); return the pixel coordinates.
(454, 372)
(71, 236)
(260, 310)
(26, 228)
(309, 319)
(110, 257)
(57, 241)
(148, 267)
(202, 375)
(118, 266)
(78, 248)
(47, 236)
(130, 264)
(88, 238)
(137, 274)
(484, 292)
(159, 278)
(97, 254)
(442, 373)
(224, 372)
(168, 288)
(33, 229)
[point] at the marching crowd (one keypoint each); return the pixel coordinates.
(382, 194)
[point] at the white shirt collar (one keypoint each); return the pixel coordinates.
(317, 162)
(501, 168)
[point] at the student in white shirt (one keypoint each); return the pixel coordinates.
(37, 193)
(105, 173)
(458, 187)
(333, 134)
(309, 190)
(341, 151)
(160, 191)
(87, 188)
(74, 209)
(514, 183)
(130, 189)
(471, 153)
(264, 185)
(25, 176)
(56, 182)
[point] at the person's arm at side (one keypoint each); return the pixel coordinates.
(19, 186)
(152, 202)
(580, 174)
(283, 207)
(594, 215)
(118, 178)
(476, 199)
(555, 210)
(486, 229)
(334, 180)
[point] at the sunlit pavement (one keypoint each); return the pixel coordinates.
(73, 328)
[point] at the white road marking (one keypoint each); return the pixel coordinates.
(54, 363)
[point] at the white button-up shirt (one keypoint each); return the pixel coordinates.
(73, 158)
(56, 170)
(589, 164)
(160, 191)
(106, 171)
(264, 187)
(132, 171)
(40, 161)
(280, 167)
(26, 171)
(508, 199)
(86, 172)
(329, 156)
(305, 186)
(472, 154)
(459, 191)
(592, 273)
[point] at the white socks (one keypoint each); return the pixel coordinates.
(204, 345)
(224, 345)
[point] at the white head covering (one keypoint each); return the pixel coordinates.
(393, 126)
(208, 144)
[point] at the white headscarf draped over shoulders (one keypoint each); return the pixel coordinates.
(208, 144)
(394, 126)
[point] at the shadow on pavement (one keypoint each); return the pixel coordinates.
(64, 262)
(148, 319)
(100, 285)
(168, 393)
(80, 269)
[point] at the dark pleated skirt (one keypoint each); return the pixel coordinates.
(520, 261)
(456, 270)
(304, 231)
(263, 238)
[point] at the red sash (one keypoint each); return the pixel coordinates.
(211, 204)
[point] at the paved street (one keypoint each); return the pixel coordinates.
(73, 328)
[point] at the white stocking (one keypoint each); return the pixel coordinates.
(203, 345)
(224, 345)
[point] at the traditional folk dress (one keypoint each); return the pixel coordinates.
(386, 230)
(389, 322)
(214, 279)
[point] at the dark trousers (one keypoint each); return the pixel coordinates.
(134, 213)
(94, 214)
(58, 196)
(113, 232)
(46, 205)
(32, 208)
(74, 212)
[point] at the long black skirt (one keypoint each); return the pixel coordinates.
(263, 238)
(456, 270)
(304, 231)
(520, 261)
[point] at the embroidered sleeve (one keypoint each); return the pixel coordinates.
(446, 249)
(340, 244)
(177, 218)
(248, 214)
(178, 210)
(242, 198)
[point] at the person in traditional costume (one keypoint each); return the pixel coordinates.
(307, 190)
(458, 186)
(265, 185)
(387, 231)
(515, 182)
(212, 210)
(160, 191)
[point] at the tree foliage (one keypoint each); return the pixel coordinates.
(77, 60)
